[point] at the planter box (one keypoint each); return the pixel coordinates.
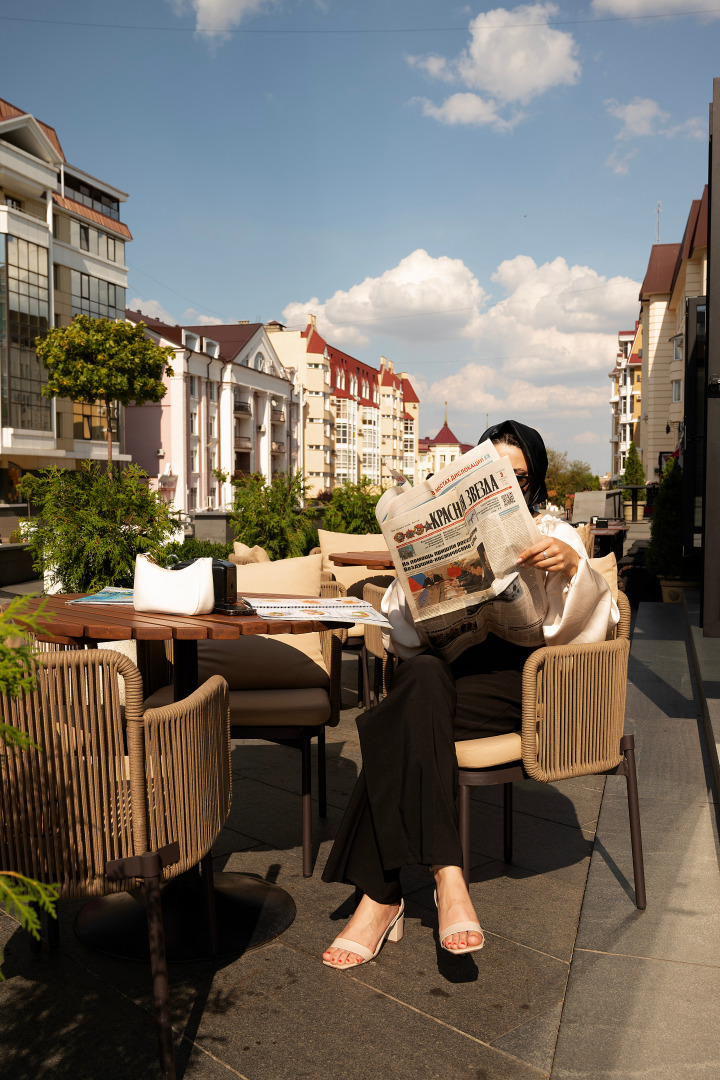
(627, 508)
(673, 589)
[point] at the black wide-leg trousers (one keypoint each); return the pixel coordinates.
(403, 807)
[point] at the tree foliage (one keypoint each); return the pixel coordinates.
(21, 896)
(101, 360)
(92, 523)
(351, 508)
(664, 555)
(634, 472)
(272, 514)
(565, 476)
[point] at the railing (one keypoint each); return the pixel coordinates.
(277, 447)
(277, 416)
(243, 407)
(242, 442)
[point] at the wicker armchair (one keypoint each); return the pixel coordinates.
(116, 794)
(573, 713)
(384, 661)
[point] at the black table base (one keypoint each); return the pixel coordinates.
(250, 911)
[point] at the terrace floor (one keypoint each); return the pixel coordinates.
(573, 983)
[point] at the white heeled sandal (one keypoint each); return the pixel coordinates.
(459, 928)
(394, 932)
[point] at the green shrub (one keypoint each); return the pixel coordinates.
(92, 523)
(198, 549)
(272, 514)
(664, 555)
(351, 508)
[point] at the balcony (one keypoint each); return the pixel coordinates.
(277, 447)
(243, 407)
(242, 442)
(277, 416)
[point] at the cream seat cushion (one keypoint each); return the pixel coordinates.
(607, 567)
(268, 708)
(492, 750)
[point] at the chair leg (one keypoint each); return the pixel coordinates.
(464, 828)
(507, 823)
(306, 809)
(377, 680)
(364, 692)
(158, 967)
(322, 773)
(361, 683)
(627, 745)
(209, 890)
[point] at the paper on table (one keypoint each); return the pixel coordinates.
(343, 609)
(109, 595)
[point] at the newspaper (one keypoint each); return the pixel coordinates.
(344, 609)
(455, 540)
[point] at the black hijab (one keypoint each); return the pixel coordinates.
(533, 448)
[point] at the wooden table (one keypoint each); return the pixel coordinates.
(374, 560)
(86, 624)
(249, 910)
(610, 539)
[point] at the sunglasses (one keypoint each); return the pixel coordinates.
(523, 480)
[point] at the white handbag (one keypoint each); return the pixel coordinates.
(189, 591)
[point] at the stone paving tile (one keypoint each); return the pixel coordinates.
(61, 1021)
(273, 815)
(535, 1040)
(627, 1017)
(671, 761)
(569, 802)
(539, 845)
(682, 919)
(278, 1014)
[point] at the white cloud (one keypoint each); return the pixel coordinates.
(192, 317)
(512, 56)
(153, 309)
(641, 116)
(477, 388)
(215, 17)
(589, 438)
(422, 298)
(628, 8)
(469, 109)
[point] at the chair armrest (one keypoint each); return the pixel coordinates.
(186, 765)
(333, 590)
(573, 709)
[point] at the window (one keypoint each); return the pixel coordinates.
(192, 498)
(99, 299)
(14, 204)
(677, 389)
(193, 423)
(212, 391)
(85, 237)
(194, 460)
(193, 386)
(90, 421)
(211, 427)
(259, 362)
(678, 350)
(24, 319)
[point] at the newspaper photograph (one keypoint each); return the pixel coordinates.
(455, 540)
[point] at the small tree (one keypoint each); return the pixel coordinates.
(351, 508)
(93, 523)
(634, 472)
(271, 514)
(95, 360)
(565, 476)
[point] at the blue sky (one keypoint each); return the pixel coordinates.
(469, 190)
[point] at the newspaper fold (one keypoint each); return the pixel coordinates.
(455, 540)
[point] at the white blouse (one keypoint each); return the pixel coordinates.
(578, 610)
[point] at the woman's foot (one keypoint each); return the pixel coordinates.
(455, 907)
(367, 927)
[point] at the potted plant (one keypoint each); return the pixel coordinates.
(633, 476)
(664, 556)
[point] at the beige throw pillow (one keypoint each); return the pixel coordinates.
(607, 567)
(244, 554)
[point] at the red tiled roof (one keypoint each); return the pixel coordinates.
(9, 112)
(661, 269)
(408, 416)
(92, 215)
(444, 437)
(465, 446)
(634, 359)
(170, 333)
(408, 392)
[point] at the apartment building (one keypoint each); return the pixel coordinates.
(358, 420)
(435, 454)
(230, 408)
(62, 252)
(672, 314)
(625, 397)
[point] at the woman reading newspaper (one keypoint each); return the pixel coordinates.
(402, 810)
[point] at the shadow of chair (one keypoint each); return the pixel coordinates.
(114, 793)
(573, 712)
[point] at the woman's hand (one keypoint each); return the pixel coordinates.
(552, 555)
